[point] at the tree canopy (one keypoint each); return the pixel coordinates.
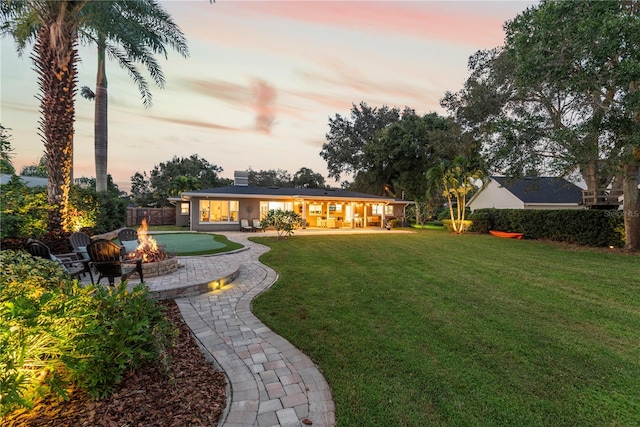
(388, 151)
(6, 165)
(562, 94)
(173, 177)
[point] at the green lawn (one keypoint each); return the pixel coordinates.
(190, 244)
(437, 329)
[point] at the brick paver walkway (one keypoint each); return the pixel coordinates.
(271, 382)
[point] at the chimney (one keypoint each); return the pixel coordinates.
(241, 178)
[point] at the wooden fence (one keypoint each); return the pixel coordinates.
(154, 216)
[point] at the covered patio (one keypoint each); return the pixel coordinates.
(222, 208)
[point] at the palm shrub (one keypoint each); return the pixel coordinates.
(55, 332)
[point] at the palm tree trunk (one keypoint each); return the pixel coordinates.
(57, 78)
(100, 126)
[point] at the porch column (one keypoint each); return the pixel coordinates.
(382, 217)
(352, 220)
(304, 212)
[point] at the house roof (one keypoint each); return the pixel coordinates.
(29, 181)
(252, 191)
(541, 189)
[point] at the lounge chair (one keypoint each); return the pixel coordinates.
(72, 263)
(128, 238)
(105, 257)
(244, 225)
(257, 225)
(79, 242)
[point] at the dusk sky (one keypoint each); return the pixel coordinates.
(262, 80)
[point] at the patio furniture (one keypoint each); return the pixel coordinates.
(79, 242)
(128, 238)
(105, 257)
(257, 225)
(244, 225)
(72, 263)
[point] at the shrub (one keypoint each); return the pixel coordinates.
(24, 210)
(40, 316)
(448, 224)
(394, 223)
(584, 227)
(53, 332)
(128, 330)
(283, 221)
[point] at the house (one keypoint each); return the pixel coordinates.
(527, 193)
(222, 208)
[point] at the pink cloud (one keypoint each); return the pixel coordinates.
(194, 123)
(461, 22)
(264, 96)
(258, 96)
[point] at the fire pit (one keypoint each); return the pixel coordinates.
(155, 260)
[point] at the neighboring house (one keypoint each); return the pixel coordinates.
(222, 208)
(30, 181)
(527, 193)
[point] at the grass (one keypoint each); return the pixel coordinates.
(436, 329)
(192, 244)
(189, 244)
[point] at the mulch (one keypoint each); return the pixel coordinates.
(193, 393)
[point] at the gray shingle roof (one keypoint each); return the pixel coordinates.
(541, 189)
(284, 191)
(30, 181)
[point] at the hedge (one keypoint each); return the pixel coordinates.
(588, 227)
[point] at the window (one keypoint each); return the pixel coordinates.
(376, 209)
(315, 209)
(266, 206)
(388, 210)
(184, 208)
(219, 211)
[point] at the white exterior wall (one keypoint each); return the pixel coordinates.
(495, 196)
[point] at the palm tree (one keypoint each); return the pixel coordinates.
(53, 26)
(133, 31)
(146, 31)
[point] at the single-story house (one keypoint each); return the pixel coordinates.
(222, 208)
(527, 193)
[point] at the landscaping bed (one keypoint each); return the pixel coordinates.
(193, 393)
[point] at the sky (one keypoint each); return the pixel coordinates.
(262, 80)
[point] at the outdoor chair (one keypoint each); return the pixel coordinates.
(128, 238)
(105, 257)
(244, 225)
(257, 225)
(79, 242)
(72, 263)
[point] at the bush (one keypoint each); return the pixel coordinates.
(448, 224)
(53, 332)
(394, 223)
(283, 221)
(584, 227)
(24, 210)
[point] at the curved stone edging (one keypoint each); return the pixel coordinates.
(196, 288)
